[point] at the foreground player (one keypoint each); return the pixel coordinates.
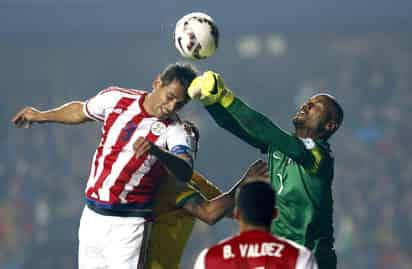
(300, 164)
(140, 140)
(255, 247)
(177, 206)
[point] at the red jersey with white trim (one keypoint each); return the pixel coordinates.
(255, 249)
(117, 176)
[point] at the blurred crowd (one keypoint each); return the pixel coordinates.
(43, 170)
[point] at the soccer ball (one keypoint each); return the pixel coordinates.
(196, 36)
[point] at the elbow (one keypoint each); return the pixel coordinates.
(207, 215)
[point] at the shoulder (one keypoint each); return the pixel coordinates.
(116, 91)
(120, 90)
(319, 157)
(175, 127)
(304, 257)
(296, 251)
(291, 244)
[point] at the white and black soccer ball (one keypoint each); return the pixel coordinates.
(196, 36)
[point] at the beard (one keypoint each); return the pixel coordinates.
(298, 121)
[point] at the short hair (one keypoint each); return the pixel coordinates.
(338, 110)
(185, 73)
(255, 202)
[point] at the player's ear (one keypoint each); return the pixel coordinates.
(275, 213)
(157, 83)
(331, 126)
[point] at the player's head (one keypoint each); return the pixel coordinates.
(318, 117)
(170, 89)
(255, 204)
(192, 130)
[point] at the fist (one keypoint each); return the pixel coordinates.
(25, 117)
(142, 147)
(208, 88)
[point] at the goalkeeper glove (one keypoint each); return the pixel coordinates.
(209, 88)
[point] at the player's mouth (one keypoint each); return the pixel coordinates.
(164, 111)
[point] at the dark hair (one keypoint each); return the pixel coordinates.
(338, 112)
(255, 202)
(182, 72)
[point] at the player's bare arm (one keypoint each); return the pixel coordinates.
(70, 113)
(213, 210)
(179, 165)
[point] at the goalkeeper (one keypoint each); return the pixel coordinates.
(300, 164)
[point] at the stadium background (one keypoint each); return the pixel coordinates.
(273, 54)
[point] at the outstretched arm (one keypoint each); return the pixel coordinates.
(70, 113)
(262, 129)
(226, 121)
(235, 116)
(211, 211)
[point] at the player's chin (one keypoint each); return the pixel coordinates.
(164, 115)
(298, 121)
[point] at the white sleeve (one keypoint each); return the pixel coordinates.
(179, 141)
(95, 108)
(306, 260)
(200, 261)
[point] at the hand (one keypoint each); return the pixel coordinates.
(26, 116)
(142, 146)
(257, 171)
(209, 88)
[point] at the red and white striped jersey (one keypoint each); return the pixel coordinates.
(117, 177)
(256, 250)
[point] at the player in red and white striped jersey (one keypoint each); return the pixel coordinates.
(142, 139)
(255, 247)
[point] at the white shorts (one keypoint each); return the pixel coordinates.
(111, 242)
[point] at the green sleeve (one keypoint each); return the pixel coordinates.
(258, 130)
(224, 119)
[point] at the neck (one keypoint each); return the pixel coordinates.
(306, 133)
(244, 227)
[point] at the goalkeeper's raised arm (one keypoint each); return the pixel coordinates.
(232, 114)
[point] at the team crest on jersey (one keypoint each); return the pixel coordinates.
(158, 128)
(309, 143)
(128, 131)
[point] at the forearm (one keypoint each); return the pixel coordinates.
(179, 167)
(262, 129)
(212, 211)
(225, 120)
(70, 113)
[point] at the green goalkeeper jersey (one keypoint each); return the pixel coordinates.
(301, 172)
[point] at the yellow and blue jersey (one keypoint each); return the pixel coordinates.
(172, 224)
